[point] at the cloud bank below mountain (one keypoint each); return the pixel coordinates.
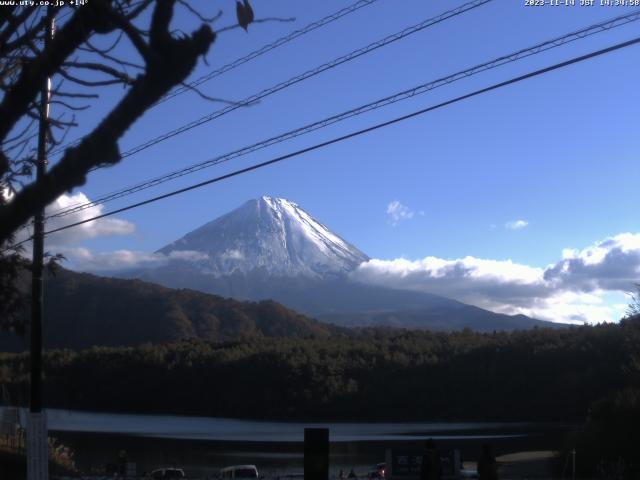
(576, 289)
(584, 285)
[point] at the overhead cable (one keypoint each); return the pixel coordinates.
(397, 97)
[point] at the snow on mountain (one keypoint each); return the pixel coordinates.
(269, 235)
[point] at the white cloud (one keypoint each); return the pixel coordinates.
(571, 290)
(96, 228)
(473, 280)
(611, 264)
(516, 224)
(188, 255)
(86, 260)
(398, 212)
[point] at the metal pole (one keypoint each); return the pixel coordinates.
(37, 456)
(38, 244)
(316, 453)
(573, 461)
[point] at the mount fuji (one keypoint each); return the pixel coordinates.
(270, 248)
(271, 235)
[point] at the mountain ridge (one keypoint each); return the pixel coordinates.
(84, 310)
(270, 248)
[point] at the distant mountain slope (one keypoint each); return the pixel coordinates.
(346, 303)
(439, 319)
(270, 248)
(82, 310)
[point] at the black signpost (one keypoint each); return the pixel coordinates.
(316, 454)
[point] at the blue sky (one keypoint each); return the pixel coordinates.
(558, 153)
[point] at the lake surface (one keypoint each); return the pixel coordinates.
(203, 445)
(225, 429)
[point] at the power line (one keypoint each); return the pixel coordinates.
(305, 76)
(249, 57)
(308, 74)
(71, 9)
(404, 95)
(359, 132)
(271, 46)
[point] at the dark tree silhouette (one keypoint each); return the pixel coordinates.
(145, 52)
(164, 61)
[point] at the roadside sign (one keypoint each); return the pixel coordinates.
(405, 464)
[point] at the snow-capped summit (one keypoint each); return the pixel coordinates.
(269, 235)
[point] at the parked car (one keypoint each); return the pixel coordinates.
(245, 472)
(377, 471)
(167, 473)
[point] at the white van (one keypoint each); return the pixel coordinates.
(245, 472)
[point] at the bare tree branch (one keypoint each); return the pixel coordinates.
(25, 39)
(99, 67)
(168, 62)
(20, 133)
(26, 88)
(90, 83)
(198, 15)
(14, 23)
(58, 93)
(75, 108)
(92, 48)
(133, 34)
(105, 54)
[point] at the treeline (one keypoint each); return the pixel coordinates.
(538, 374)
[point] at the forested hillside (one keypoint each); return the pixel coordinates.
(83, 310)
(380, 374)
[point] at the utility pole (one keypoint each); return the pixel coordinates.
(37, 442)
